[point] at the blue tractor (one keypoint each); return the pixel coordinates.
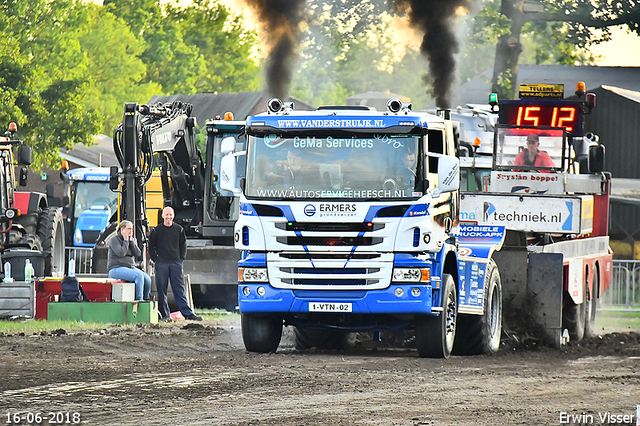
(91, 205)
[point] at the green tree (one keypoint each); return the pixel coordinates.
(566, 28)
(170, 62)
(43, 79)
(190, 49)
(116, 70)
(222, 42)
(347, 49)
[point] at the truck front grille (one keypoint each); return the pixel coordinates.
(333, 256)
(330, 226)
(89, 236)
(323, 272)
(329, 241)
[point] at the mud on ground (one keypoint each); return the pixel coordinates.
(200, 374)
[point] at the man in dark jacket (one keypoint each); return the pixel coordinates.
(168, 248)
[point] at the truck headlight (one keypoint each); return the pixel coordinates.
(252, 275)
(411, 275)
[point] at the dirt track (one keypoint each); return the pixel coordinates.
(186, 374)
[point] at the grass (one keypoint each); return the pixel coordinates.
(619, 319)
(613, 319)
(32, 326)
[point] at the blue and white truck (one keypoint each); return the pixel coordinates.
(349, 223)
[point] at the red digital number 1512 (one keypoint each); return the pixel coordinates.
(560, 117)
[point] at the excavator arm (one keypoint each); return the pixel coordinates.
(158, 135)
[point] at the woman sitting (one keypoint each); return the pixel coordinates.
(122, 251)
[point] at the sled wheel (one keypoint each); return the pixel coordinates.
(574, 315)
(590, 314)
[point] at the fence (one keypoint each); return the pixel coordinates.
(83, 257)
(624, 291)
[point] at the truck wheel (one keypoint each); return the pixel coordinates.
(261, 333)
(574, 315)
(51, 233)
(435, 334)
(306, 338)
(592, 307)
(478, 334)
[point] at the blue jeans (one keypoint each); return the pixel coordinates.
(166, 272)
(142, 280)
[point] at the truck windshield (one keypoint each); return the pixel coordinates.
(529, 148)
(93, 195)
(333, 167)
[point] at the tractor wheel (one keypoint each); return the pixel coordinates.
(480, 334)
(307, 338)
(51, 233)
(435, 334)
(261, 333)
(32, 242)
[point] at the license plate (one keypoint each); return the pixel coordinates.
(329, 307)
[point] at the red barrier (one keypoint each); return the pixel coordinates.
(97, 289)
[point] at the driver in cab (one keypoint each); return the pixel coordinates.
(407, 177)
(532, 155)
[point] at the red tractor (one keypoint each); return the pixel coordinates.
(26, 220)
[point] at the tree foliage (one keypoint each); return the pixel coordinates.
(337, 61)
(68, 66)
(566, 29)
(114, 65)
(43, 80)
(198, 48)
(348, 48)
(225, 46)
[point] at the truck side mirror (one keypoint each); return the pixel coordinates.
(228, 145)
(228, 172)
(448, 174)
(24, 155)
(22, 180)
(596, 158)
(113, 178)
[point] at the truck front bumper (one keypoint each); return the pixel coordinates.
(406, 298)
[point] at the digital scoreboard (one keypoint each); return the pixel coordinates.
(547, 113)
(542, 105)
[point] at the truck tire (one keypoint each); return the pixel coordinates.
(592, 307)
(574, 315)
(480, 334)
(435, 334)
(261, 333)
(51, 233)
(307, 338)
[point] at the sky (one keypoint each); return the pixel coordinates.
(621, 51)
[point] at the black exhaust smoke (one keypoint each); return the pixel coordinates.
(435, 19)
(280, 21)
